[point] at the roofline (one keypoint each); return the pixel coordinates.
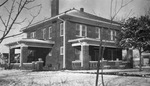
(22, 40)
(97, 20)
(64, 13)
(45, 20)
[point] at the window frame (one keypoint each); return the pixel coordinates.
(44, 33)
(113, 33)
(98, 32)
(32, 35)
(50, 32)
(61, 50)
(80, 29)
(61, 26)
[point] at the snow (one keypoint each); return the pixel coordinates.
(65, 78)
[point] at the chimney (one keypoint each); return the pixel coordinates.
(82, 9)
(54, 7)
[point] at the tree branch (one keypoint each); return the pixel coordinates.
(122, 6)
(3, 3)
(11, 21)
(13, 35)
(3, 21)
(32, 7)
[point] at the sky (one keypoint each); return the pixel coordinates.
(97, 7)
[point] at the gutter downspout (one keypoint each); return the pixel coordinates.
(64, 42)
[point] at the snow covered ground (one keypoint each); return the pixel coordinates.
(65, 78)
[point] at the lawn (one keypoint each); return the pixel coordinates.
(65, 78)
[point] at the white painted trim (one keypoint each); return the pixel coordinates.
(91, 39)
(96, 20)
(78, 44)
(79, 39)
(19, 45)
(44, 33)
(64, 42)
(61, 29)
(76, 61)
(81, 58)
(61, 50)
(49, 32)
(21, 57)
(111, 41)
(64, 13)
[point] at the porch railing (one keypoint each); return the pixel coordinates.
(76, 64)
(107, 64)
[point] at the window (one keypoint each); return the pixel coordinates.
(113, 34)
(61, 29)
(44, 33)
(32, 34)
(97, 31)
(81, 30)
(106, 34)
(50, 32)
(61, 50)
(77, 29)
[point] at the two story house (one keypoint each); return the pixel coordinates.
(69, 40)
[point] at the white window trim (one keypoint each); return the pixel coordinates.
(61, 29)
(61, 50)
(32, 34)
(44, 32)
(50, 29)
(99, 33)
(111, 35)
(115, 35)
(81, 29)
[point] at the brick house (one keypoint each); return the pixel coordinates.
(69, 40)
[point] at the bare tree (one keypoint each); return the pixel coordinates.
(3, 3)
(114, 11)
(16, 7)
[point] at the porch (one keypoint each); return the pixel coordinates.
(29, 51)
(87, 53)
(106, 64)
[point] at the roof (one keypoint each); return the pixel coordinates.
(91, 41)
(75, 13)
(31, 43)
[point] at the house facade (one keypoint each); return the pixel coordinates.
(69, 40)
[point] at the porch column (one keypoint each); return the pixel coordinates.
(11, 55)
(85, 56)
(23, 55)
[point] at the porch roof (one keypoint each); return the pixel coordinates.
(92, 42)
(31, 43)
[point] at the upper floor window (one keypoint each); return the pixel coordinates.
(97, 31)
(61, 29)
(81, 30)
(113, 34)
(44, 33)
(32, 34)
(50, 32)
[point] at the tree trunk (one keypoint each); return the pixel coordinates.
(98, 64)
(140, 66)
